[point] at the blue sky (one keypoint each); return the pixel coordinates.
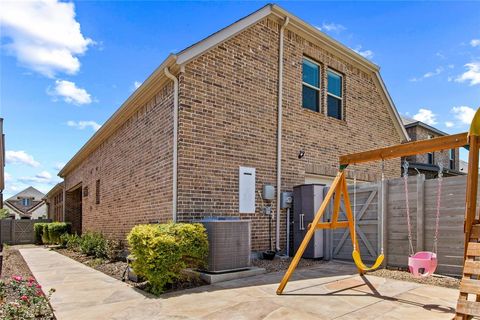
(66, 67)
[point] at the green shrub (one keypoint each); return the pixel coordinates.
(38, 230)
(55, 230)
(93, 244)
(114, 249)
(70, 241)
(162, 251)
(45, 238)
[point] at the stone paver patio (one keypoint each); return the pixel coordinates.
(328, 291)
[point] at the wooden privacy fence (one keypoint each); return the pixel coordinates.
(18, 231)
(422, 202)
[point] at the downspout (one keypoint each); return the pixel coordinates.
(279, 131)
(175, 142)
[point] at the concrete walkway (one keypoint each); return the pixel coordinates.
(328, 291)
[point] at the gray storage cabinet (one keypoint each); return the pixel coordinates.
(307, 199)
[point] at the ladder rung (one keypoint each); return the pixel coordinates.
(475, 232)
(471, 267)
(473, 249)
(470, 308)
(470, 286)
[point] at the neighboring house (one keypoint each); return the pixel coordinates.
(428, 164)
(463, 166)
(27, 204)
(235, 106)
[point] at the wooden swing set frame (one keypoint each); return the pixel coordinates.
(338, 189)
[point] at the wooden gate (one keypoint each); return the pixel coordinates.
(18, 231)
(368, 221)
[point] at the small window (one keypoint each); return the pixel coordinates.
(26, 202)
(97, 192)
(430, 155)
(310, 85)
(452, 159)
(334, 95)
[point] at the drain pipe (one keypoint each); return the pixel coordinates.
(279, 131)
(175, 142)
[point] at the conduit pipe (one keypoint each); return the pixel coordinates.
(279, 131)
(175, 142)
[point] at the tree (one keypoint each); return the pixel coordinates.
(4, 213)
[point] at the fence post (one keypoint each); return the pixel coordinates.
(383, 219)
(420, 212)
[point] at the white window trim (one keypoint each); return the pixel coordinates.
(334, 95)
(312, 86)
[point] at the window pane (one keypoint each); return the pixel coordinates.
(334, 84)
(310, 73)
(310, 98)
(334, 107)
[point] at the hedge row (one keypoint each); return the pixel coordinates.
(162, 251)
(92, 244)
(50, 233)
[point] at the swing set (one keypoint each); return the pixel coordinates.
(420, 263)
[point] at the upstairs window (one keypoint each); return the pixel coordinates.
(26, 202)
(452, 159)
(430, 155)
(310, 85)
(334, 94)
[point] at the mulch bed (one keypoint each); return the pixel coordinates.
(115, 269)
(434, 280)
(281, 264)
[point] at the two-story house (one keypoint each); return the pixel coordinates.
(27, 204)
(270, 96)
(428, 164)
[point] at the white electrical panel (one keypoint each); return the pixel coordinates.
(246, 188)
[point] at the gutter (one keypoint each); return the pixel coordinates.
(279, 131)
(175, 143)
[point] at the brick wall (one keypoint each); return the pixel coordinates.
(73, 210)
(134, 166)
(443, 157)
(228, 118)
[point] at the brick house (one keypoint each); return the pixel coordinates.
(27, 204)
(268, 92)
(428, 164)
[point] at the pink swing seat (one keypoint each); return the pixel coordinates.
(422, 264)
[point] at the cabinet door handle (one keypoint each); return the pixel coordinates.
(302, 225)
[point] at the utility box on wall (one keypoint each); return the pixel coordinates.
(246, 190)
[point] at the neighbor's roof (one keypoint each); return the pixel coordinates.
(175, 61)
(29, 192)
(57, 187)
(409, 123)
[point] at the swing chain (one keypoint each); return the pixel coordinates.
(437, 217)
(407, 205)
(354, 209)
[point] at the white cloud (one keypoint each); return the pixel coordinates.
(475, 43)
(431, 74)
(59, 165)
(44, 35)
(84, 124)
(472, 75)
(7, 177)
(463, 113)
(332, 27)
(137, 84)
(364, 53)
(70, 92)
(434, 73)
(449, 124)
(426, 116)
(20, 157)
(43, 177)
